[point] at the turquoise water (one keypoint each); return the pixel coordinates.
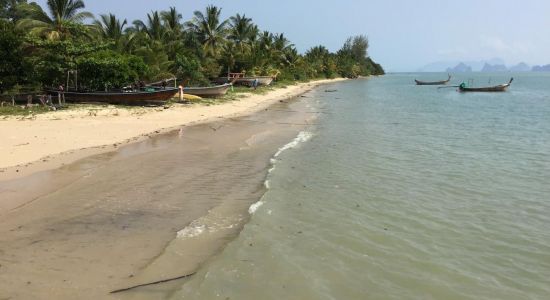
(402, 192)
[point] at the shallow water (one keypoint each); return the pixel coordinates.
(117, 219)
(402, 192)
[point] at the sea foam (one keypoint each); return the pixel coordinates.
(302, 137)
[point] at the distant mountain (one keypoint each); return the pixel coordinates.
(460, 68)
(476, 66)
(545, 68)
(521, 67)
(494, 68)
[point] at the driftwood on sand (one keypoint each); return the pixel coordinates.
(151, 283)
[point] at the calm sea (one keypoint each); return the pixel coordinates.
(402, 192)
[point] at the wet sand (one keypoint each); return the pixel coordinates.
(133, 215)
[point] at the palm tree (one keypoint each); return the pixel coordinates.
(110, 27)
(154, 30)
(173, 28)
(281, 43)
(241, 31)
(63, 15)
(209, 29)
(171, 20)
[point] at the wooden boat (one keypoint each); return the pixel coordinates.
(496, 88)
(247, 81)
(153, 96)
(211, 91)
(442, 82)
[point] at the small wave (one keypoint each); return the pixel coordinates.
(302, 137)
(254, 207)
(194, 229)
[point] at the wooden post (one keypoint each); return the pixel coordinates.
(181, 92)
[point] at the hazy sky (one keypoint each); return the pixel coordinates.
(404, 35)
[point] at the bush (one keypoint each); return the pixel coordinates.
(108, 69)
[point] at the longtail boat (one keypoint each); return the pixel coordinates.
(211, 91)
(442, 82)
(248, 81)
(497, 88)
(153, 96)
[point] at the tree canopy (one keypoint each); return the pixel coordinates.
(39, 45)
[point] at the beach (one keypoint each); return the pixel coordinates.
(93, 203)
(49, 140)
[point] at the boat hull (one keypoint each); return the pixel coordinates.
(214, 91)
(126, 98)
(441, 82)
(498, 88)
(247, 81)
(418, 82)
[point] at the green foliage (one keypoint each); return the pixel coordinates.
(112, 52)
(209, 29)
(52, 59)
(9, 11)
(353, 58)
(59, 23)
(13, 67)
(189, 70)
(108, 69)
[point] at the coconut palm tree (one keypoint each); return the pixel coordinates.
(241, 31)
(154, 30)
(171, 20)
(109, 27)
(173, 28)
(209, 29)
(57, 23)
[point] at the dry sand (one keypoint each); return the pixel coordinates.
(33, 144)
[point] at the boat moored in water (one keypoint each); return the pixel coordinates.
(497, 88)
(441, 82)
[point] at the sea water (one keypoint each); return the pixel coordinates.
(401, 192)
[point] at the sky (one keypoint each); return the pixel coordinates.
(404, 35)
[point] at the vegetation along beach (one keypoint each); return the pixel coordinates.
(274, 150)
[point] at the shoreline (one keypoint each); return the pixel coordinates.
(51, 140)
(208, 176)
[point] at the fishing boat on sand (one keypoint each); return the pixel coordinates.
(239, 79)
(248, 81)
(147, 96)
(442, 82)
(210, 91)
(497, 88)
